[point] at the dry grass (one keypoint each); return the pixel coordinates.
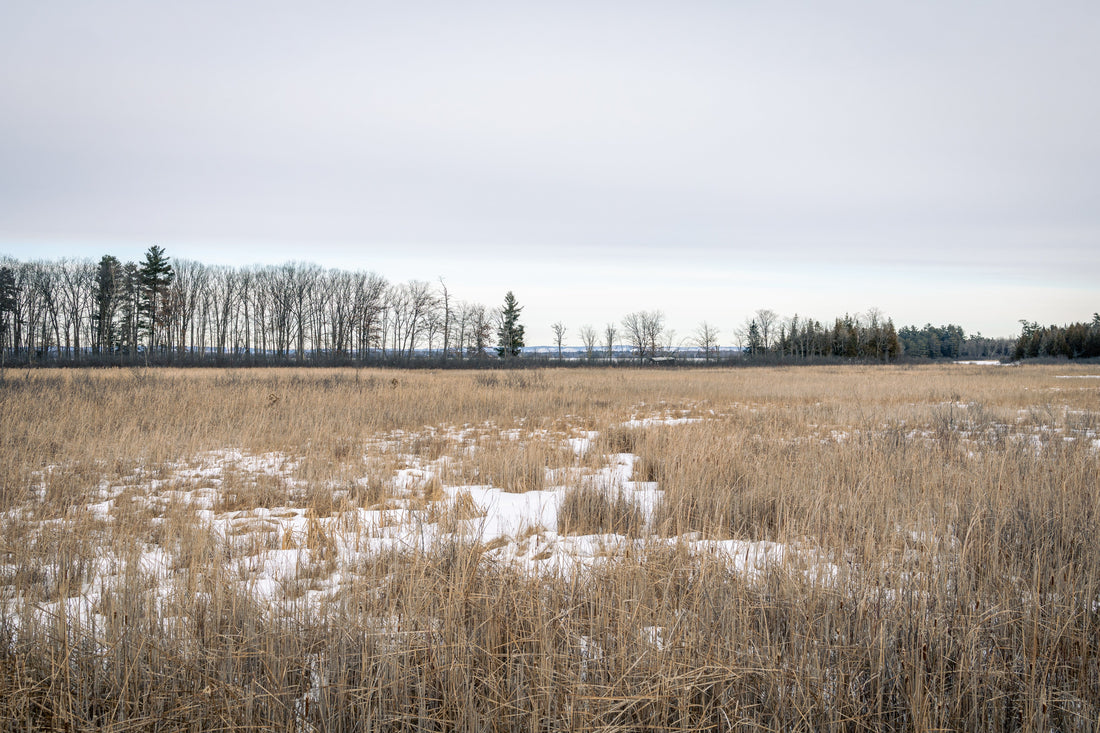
(587, 509)
(940, 561)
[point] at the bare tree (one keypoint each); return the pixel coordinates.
(766, 321)
(258, 304)
(559, 334)
(280, 282)
(434, 327)
(445, 301)
(45, 282)
(667, 341)
(224, 294)
(706, 338)
(411, 305)
(610, 333)
(185, 294)
(588, 338)
(300, 283)
(75, 283)
(460, 326)
(634, 328)
(26, 311)
(370, 294)
(645, 329)
(653, 325)
(480, 325)
(339, 312)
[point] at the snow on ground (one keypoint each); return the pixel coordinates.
(648, 418)
(292, 553)
(289, 553)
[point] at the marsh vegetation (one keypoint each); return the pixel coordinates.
(846, 548)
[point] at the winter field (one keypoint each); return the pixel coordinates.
(814, 548)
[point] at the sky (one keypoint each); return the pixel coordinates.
(938, 161)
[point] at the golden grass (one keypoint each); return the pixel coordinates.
(942, 566)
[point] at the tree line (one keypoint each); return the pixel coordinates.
(1074, 341)
(182, 311)
(159, 311)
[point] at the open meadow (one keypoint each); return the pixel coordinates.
(812, 548)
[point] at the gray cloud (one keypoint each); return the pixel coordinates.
(899, 134)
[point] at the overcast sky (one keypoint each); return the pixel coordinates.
(937, 160)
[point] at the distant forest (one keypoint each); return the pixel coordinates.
(188, 313)
(1075, 341)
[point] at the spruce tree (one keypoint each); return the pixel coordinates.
(510, 332)
(8, 293)
(108, 292)
(155, 276)
(756, 343)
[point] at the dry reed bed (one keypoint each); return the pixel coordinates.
(936, 564)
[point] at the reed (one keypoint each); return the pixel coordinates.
(842, 548)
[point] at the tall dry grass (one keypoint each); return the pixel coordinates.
(942, 566)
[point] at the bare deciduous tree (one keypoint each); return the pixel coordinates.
(480, 326)
(411, 305)
(766, 320)
(559, 335)
(610, 333)
(645, 329)
(445, 301)
(185, 295)
(634, 329)
(706, 338)
(589, 338)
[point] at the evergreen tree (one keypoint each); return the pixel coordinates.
(1073, 341)
(510, 331)
(108, 294)
(890, 345)
(155, 276)
(8, 293)
(7, 290)
(130, 310)
(756, 342)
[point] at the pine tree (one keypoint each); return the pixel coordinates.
(108, 293)
(756, 342)
(130, 310)
(510, 332)
(8, 293)
(154, 277)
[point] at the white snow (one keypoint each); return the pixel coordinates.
(659, 420)
(287, 553)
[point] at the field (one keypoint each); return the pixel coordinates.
(816, 548)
